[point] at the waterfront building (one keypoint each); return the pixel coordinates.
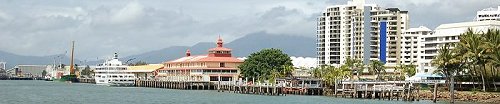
(361, 31)
(113, 72)
(448, 33)
(29, 70)
(217, 65)
(144, 71)
(412, 47)
(488, 14)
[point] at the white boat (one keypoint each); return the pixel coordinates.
(113, 72)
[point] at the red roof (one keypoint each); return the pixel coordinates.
(219, 49)
(205, 58)
(191, 68)
(224, 57)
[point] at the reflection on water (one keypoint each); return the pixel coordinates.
(42, 92)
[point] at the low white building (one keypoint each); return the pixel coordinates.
(447, 33)
(303, 66)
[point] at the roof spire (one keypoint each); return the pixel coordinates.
(116, 56)
(219, 42)
(188, 53)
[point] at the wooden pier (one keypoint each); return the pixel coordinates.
(235, 87)
(184, 85)
(391, 90)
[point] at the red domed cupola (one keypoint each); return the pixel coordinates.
(219, 51)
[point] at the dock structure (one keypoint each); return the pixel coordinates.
(242, 87)
(387, 90)
(86, 80)
(184, 85)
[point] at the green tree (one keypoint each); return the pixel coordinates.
(86, 71)
(355, 65)
(319, 72)
(138, 63)
(406, 71)
(476, 48)
(265, 64)
(448, 63)
(377, 68)
(334, 74)
(44, 72)
(493, 45)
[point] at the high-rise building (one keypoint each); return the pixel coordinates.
(411, 44)
(488, 14)
(360, 31)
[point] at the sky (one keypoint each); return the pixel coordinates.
(100, 28)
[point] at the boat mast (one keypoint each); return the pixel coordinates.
(71, 67)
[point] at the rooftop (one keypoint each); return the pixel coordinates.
(421, 28)
(205, 58)
(144, 68)
(217, 54)
(468, 24)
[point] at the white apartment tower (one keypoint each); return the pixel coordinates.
(360, 31)
(411, 44)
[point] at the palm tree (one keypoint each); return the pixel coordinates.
(406, 70)
(493, 44)
(318, 72)
(476, 49)
(359, 67)
(400, 68)
(448, 65)
(377, 67)
(355, 65)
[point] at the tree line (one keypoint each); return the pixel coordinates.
(475, 58)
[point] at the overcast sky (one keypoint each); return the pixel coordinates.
(100, 28)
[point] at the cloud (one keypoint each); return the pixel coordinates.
(133, 27)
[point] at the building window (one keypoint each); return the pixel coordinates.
(426, 70)
(222, 64)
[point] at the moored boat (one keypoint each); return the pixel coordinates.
(113, 72)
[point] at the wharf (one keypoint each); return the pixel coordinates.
(86, 80)
(242, 88)
(390, 90)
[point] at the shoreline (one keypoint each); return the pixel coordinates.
(465, 96)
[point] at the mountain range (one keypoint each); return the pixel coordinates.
(241, 47)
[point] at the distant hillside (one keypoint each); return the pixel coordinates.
(13, 59)
(242, 47)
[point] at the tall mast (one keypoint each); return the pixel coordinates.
(71, 67)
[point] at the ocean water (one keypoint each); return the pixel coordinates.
(48, 92)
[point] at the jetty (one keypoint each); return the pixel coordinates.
(383, 90)
(281, 87)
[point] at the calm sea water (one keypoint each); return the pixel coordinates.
(43, 92)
